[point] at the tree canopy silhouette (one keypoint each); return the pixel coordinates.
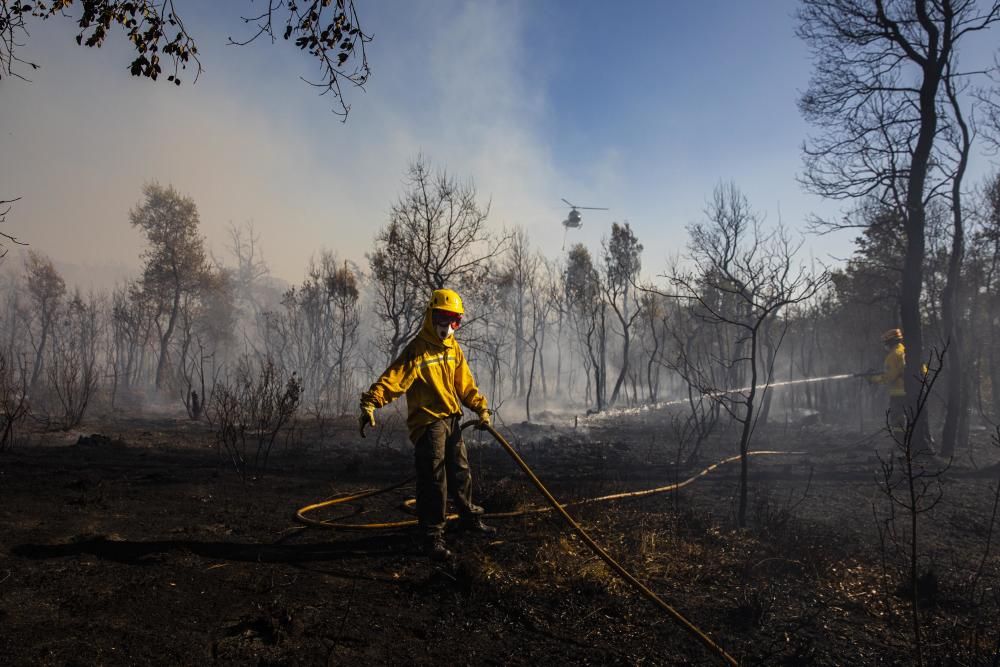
(328, 30)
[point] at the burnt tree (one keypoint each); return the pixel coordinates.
(175, 262)
(621, 254)
(741, 277)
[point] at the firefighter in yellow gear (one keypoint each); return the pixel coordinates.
(433, 373)
(893, 376)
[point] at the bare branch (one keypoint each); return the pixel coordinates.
(5, 207)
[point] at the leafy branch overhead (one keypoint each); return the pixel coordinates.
(327, 30)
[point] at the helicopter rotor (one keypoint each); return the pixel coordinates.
(584, 208)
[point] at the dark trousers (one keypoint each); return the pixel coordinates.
(897, 412)
(442, 466)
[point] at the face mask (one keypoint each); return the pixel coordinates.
(444, 330)
(445, 324)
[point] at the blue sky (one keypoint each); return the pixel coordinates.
(642, 107)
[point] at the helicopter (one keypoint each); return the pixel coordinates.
(574, 220)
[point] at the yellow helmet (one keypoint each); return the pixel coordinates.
(446, 299)
(892, 335)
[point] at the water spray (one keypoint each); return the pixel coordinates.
(620, 412)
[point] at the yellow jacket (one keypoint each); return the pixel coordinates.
(895, 366)
(435, 377)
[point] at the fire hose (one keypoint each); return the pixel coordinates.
(554, 505)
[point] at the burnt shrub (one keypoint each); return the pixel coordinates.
(251, 410)
(14, 407)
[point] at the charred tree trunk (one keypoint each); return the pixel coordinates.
(624, 370)
(541, 364)
(765, 406)
(519, 341)
(161, 365)
(602, 373)
(531, 381)
(559, 338)
(916, 215)
(741, 515)
(651, 385)
(36, 370)
(957, 410)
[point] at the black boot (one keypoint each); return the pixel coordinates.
(436, 549)
(474, 524)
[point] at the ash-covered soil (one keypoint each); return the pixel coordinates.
(141, 545)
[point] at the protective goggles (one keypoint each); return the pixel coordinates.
(444, 317)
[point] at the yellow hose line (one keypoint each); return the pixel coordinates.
(300, 514)
(411, 503)
(557, 507)
(625, 494)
